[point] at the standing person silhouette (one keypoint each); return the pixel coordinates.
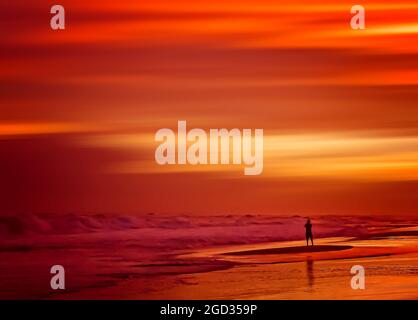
(308, 227)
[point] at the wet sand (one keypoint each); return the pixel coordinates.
(287, 270)
(301, 249)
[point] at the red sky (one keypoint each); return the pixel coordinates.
(79, 108)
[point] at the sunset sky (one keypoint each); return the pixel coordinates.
(79, 107)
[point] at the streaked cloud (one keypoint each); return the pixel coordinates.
(338, 106)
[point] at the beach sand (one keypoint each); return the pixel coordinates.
(289, 271)
(177, 262)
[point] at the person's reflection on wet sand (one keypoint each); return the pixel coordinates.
(310, 272)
